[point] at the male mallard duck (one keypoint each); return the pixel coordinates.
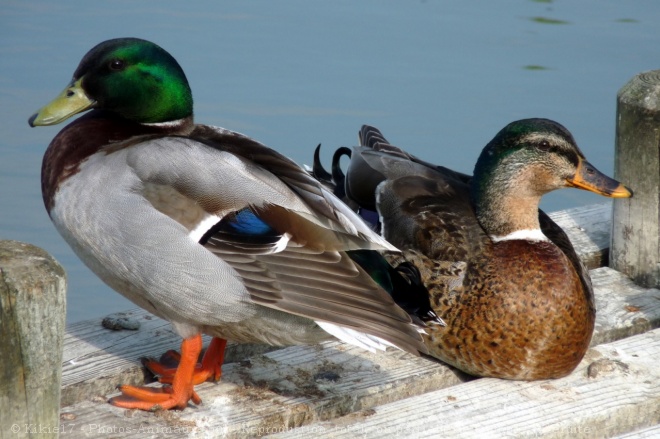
(517, 300)
(207, 228)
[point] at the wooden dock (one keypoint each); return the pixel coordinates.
(336, 390)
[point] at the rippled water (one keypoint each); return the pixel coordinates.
(439, 78)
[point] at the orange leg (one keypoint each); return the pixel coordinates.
(177, 396)
(209, 369)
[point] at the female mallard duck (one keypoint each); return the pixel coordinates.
(207, 228)
(517, 301)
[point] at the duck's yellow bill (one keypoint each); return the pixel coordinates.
(589, 178)
(71, 101)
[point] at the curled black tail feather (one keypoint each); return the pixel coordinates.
(338, 176)
(318, 171)
(335, 181)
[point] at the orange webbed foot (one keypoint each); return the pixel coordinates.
(153, 398)
(183, 378)
(209, 369)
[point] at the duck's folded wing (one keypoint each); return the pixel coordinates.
(322, 207)
(372, 138)
(418, 202)
(325, 286)
(280, 230)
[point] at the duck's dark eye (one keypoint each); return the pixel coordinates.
(544, 145)
(117, 64)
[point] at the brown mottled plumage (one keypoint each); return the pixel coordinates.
(517, 301)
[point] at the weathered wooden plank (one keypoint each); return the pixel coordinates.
(622, 307)
(97, 359)
(290, 386)
(645, 433)
(615, 389)
(32, 310)
(298, 385)
(636, 231)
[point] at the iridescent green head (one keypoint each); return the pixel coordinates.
(134, 78)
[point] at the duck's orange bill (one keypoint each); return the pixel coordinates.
(589, 178)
